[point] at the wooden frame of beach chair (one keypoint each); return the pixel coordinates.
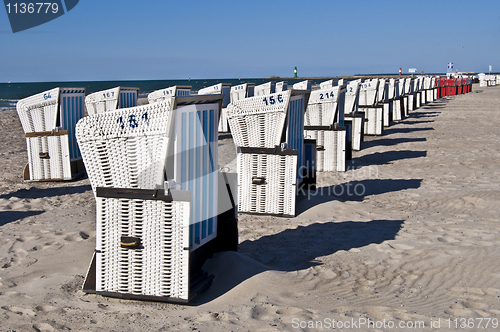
(353, 121)
(49, 119)
(324, 123)
(268, 132)
(173, 91)
(154, 173)
(265, 89)
(225, 90)
(369, 106)
(411, 96)
(111, 99)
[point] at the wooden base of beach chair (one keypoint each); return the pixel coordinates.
(411, 102)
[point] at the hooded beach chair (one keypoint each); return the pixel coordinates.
(398, 101)
(49, 119)
(389, 101)
(429, 91)
(324, 123)
(265, 89)
(111, 99)
(155, 177)
(369, 106)
(173, 91)
(304, 85)
(353, 121)
(326, 84)
(225, 90)
(406, 97)
(268, 132)
(281, 86)
(242, 91)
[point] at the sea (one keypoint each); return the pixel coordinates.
(11, 93)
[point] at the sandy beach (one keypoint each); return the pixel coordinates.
(408, 234)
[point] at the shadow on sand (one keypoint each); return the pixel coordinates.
(11, 216)
(34, 192)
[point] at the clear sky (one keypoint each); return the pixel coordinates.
(164, 39)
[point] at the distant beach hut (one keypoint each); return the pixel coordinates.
(369, 106)
(49, 119)
(304, 85)
(281, 86)
(265, 89)
(323, 122)
(157, 196)
(173, 91)
(268, 132)
(111, 99)
(353, 121)
(225, 90)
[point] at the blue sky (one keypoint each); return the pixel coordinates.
(162, 39)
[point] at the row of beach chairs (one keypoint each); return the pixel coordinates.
(163, 206)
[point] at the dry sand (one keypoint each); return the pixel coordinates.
(418, 242)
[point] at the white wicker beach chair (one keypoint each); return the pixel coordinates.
(152, 238)
(241, 91)
(398, 102)
(281, 86)
(369, 106)
(324, 123)
(268, 133)
(111, 99)
(429, 93)
(326, 84)
(49, 119)
(173, 91)
(225, 90)
(265, 89)
(353, 120)
(304, 85)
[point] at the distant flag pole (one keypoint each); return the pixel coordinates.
(295, 72)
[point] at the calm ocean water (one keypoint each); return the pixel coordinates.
(10, 93)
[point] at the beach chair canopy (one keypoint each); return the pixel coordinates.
(368, 92)
(111, 99)
(221, 88)
(351, 97)
(322, 108)
(265, 89)
(241, 91)
(304, 85)
(173, 91)
(281, 86)
(326, 84)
